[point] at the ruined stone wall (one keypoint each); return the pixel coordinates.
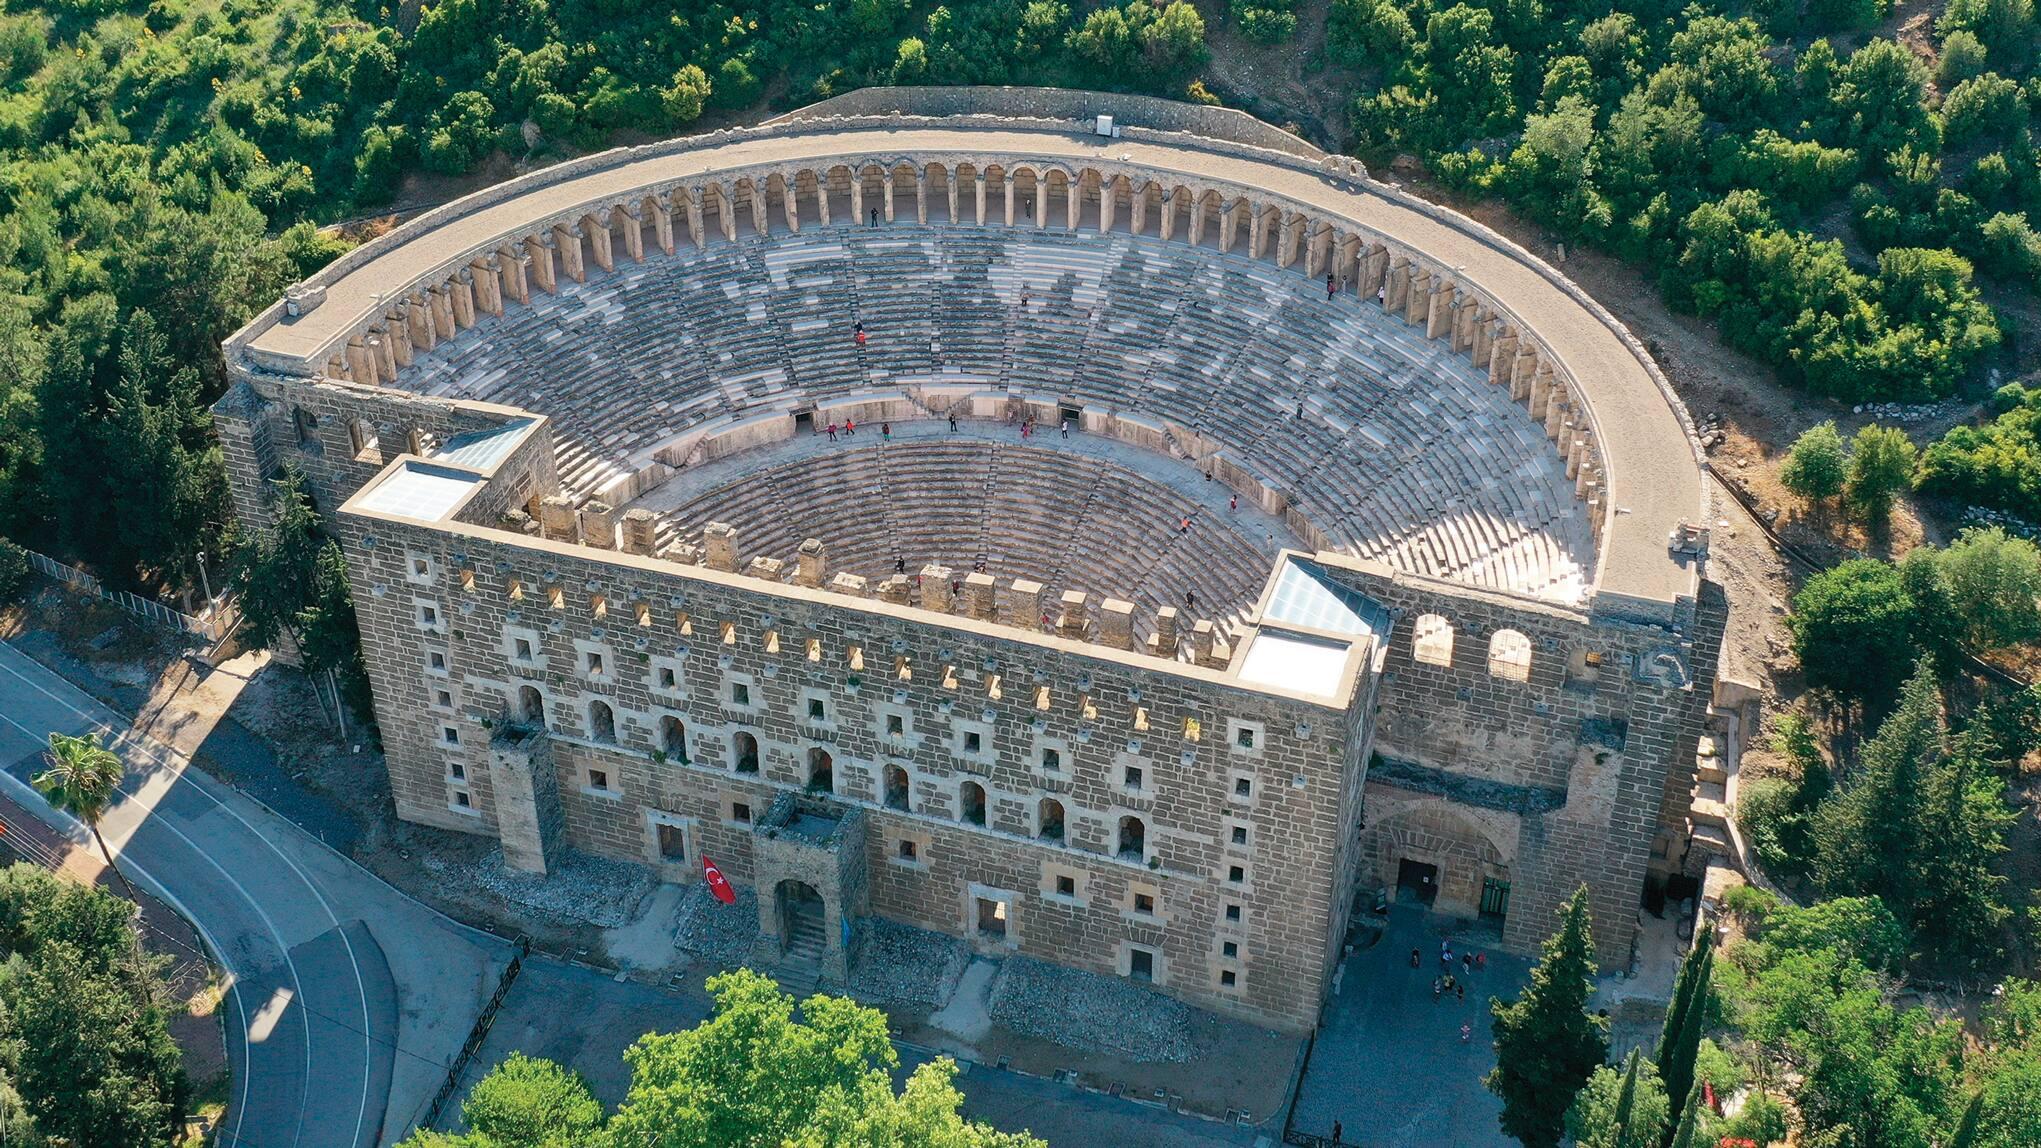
(677, 642)
(340, 435)
(1578, 772)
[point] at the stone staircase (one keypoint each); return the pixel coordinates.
(800, 967)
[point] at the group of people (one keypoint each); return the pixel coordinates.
(1447, 982)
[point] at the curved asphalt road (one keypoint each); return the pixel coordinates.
(313, 1023)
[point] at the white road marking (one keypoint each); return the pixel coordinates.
(156, 754)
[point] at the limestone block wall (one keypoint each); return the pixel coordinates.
(340, 435)
(619, 648)
(1551, 743)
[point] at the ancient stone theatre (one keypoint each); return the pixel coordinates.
(1109, 530)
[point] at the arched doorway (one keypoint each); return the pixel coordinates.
(803, 920)
(821, 771)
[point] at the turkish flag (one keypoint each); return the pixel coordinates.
(717, 885)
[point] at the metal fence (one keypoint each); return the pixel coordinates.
(477, 1034)
(213, 626)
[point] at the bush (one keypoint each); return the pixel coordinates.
(1817, 464)
(1267, 24)
(1853, 632)
(14, 572)
(1764, 811)
(1997, 465)
(1881, 465)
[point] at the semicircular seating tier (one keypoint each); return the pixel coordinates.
(1391, 445)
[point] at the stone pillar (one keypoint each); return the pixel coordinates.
(662, 223)
(766, 569)
(950, 192)
(894, 589)
(628, 219)
(557, 520)
(1521, 370)
(857, 196)
(1075, 617)
(441, 303)
(361, 363)
(1162, 643)
(598, 525)
(935, 588)
(822, 197)
(886, 190)
(1007, 183)
(1108, 202)
(790, 202)
(761, 217)
(921, 196)
(850, 584)
(1438, 316)
(1558, 404)
(424, 336)
(567, 241)
(1396, 290)
(384, 351)
(1197, 210)
(1165, 209)
(1286, 242)
(1374, 270)
(640, 531)
(1023, 605)
(1316, 247)
(1417, 303)
(726, 211)
(488, 284)
(1202, 641)
(1482, 350)
(527, 789)
(1073, 200)
(695, 231)
(461, 293)
(1137, 206)
(979, 198)
(812, 563)
(397, 330)
(516, 267)
(978, 596)
(1541, 392)
(1464, 312)
(1116, 624)
(719, 547)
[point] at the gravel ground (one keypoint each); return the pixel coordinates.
(1090, 1012)
(719, 934)
(582, 889)
(905, 965)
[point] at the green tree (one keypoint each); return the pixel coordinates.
(96, 1063)
(1817, 465)
(81, 778)
(1956, 900)
(293, 586)
(1867, 836)
(1881, 465)
(1687, 1133)
(1679, 1047)
(1995, 588)
(1619, 1109)
(1852, 631)
(1547, 1044)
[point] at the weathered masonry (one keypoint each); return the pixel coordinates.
(1352, 548)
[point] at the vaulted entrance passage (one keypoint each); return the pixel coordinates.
(803, 922)
(1417, 882)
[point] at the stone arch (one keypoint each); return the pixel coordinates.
(531, 704)
(602, 721)
(821, 770)
(1466, 847)
(1131, 841)
(744, 755)
(673, 738)
(971, 803)
(896, 787)
(1509, 655)
(1049, 819)
(1431, 640)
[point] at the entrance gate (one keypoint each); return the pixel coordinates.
(1417, 881)
(1494, 897)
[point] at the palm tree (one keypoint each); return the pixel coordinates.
(81, 780)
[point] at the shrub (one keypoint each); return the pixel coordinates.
(1881, 465)
(1817, 464)
(14, 572)
(1267, 24)
(1852, 631)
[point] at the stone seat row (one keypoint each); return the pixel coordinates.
(1396, 426)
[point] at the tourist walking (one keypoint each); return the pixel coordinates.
(1466, 1032)
(1416, 959)
(1066, 428)
(886, 432)
(1233, 502)
(859, 338)
(1331, 288)
(953, 423)
(832, 432)
(899, 565)
(1337, 1128)
(1190, 602)
(1186, 528)
(875, 217)
(850, 428)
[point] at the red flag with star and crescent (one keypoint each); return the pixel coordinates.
(717, 884)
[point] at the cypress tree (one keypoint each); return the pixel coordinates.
(1688, 1133)
(1682, 997)
(1677, 1070)
(1546, 1042)
(1626, 1101)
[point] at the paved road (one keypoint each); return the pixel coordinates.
(347, 998)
